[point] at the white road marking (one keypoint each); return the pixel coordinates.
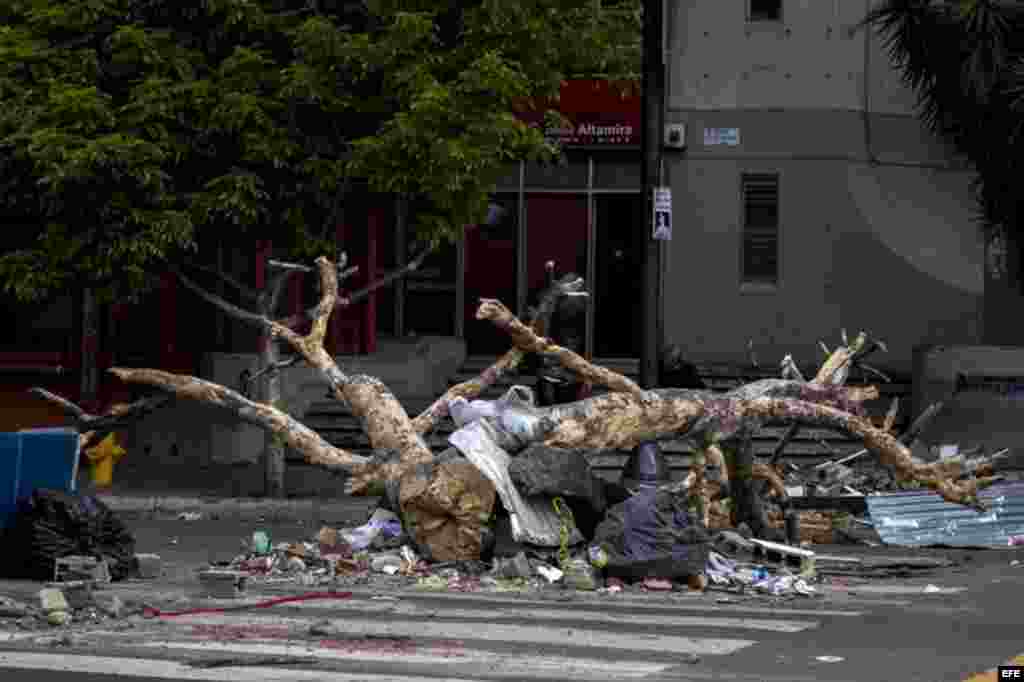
(493, 632)
(610, 605)
(407, 608)
(172, 670)
(518, 667)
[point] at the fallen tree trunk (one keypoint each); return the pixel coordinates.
(446, 505)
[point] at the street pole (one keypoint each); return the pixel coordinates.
(652, 112)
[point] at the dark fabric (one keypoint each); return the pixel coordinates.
(646, 465)
(652, 535)
(52, 524)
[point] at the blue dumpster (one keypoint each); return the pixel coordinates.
(10, 468)
(49, 459)
(32, 459)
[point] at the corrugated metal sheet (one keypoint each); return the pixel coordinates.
(920, 518)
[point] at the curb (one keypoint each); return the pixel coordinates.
(305, 508)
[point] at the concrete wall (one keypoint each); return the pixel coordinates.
(189, 444)
(876, 227)
(982, 390)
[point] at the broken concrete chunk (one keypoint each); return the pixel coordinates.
(52, 599)
(10, 608)
(150, 565)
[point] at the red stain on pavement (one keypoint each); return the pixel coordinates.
(237, 632)
(394, 646)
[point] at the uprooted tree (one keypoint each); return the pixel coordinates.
(453, 499)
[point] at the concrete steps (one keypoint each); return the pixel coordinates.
(337, 424)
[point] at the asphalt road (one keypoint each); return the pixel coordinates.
(881, 629)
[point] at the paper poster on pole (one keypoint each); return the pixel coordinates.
(661, 222)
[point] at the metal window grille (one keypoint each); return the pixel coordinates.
(760, 260)
(764, 10)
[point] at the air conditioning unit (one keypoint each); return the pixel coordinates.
(675, 136)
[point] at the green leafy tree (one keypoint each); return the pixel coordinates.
(132, 128)
(965, 61)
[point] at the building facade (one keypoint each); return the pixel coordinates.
(808, 197)
(825, 205)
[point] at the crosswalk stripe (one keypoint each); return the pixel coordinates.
(173, 670)
(520, 666)
(416, 636)
(529, 633)
(405, 608)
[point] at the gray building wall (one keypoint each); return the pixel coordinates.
(876, 228)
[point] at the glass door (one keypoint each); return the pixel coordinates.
(617, 286)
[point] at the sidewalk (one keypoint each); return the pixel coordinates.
(146, 503)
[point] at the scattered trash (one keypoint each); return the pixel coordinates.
(386, 563)
(657, 584)
(260, 542)
(533, 519)
(190, 516)
(550, 573)
(829, 659)
(382, 522)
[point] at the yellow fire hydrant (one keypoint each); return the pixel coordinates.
(101, 459)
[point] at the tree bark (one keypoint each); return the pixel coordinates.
(88, 392)
(270, 359)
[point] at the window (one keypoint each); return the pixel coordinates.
(764, 10)
(760, 248)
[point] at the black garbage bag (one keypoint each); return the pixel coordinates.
(652, 534)
(51, 524)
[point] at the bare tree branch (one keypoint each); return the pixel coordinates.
(387, 279)
(272, 327)
(246, 291)
(526, 339)
(540, 320)
(270, 371)
(95, 428)
(297, 435)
